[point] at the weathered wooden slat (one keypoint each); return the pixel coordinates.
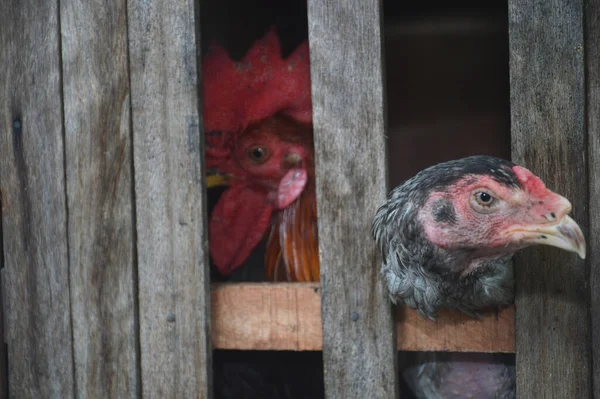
(592, 57)
(349, 121)
(257, 316)
(170, 200)
(3, 351)
(99, 197)
(34, 217)
(549, 137)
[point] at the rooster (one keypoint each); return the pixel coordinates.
(447, 237)
(260, 142)
(258, 123)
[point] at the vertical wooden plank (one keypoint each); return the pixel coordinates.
(549, 137)
(349, 120)
(34, 214)
(592, 62)
(170, 199)
(3, 348)
(99, 197)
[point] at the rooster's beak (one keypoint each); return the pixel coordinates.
(214, 179)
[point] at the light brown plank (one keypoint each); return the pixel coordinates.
(99, 197)
(592, 57)
(548, 129)
(255, 316)
(170, 200)
(34, 217)
(269, 316)
(350, 156)
(456, 332)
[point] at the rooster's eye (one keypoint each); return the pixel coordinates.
(258, 154)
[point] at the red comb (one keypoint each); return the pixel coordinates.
(262, 84)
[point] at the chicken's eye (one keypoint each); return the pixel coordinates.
(485, 198)
(258, 154)
(483, 201)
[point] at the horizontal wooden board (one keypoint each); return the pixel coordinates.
(267, 316)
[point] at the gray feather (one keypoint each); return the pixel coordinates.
(426, 278)
(421, 275)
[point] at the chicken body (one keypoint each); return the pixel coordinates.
(448, 375)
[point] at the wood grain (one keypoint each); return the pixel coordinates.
(592, 57)
(34, 217)
(99, 197)
(456, 332)
(279, 316)
(170, 200)
(549, 137)
(350, 156)
(3, 348)
(267, 316)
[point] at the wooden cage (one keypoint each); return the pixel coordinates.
(105, 283)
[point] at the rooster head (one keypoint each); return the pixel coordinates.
(257, 118)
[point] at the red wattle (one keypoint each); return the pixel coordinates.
(237, 224)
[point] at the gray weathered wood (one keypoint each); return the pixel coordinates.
(349, 119)
(170, 200)
(592, 57)
(549, 137)
(99, 197)
(3, 352)
(34, 217)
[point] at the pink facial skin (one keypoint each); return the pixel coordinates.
(485, 227)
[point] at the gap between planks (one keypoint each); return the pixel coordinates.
(287, 316)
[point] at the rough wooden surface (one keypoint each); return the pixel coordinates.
(456, 332)
(547, 80)
(99, 197)
(3, 348)
(170, 200)
(592, 56)
(257, 316)
(349, 121)
(34, 217)
(269, 316)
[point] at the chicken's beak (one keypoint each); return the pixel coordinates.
(292, 160)
(214, 179)
(566, 234)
